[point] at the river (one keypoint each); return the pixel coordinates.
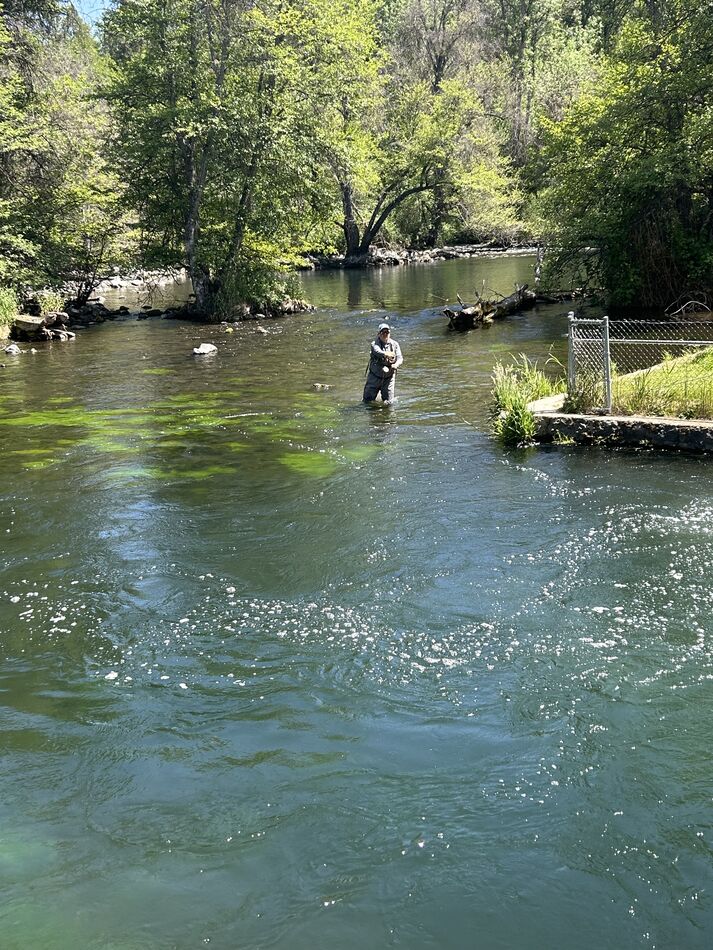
(281, 670)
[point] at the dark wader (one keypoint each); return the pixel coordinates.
(383, 384)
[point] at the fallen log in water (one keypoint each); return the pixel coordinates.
(485, 311)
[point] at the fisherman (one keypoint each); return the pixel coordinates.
(384, 361)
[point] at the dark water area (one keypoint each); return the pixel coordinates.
(281, 670)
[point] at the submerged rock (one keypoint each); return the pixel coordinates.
(205, 349)
(13, 349)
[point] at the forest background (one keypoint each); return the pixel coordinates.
(231, 137)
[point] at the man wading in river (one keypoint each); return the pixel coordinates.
(385, 360)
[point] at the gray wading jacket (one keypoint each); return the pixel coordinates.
(379, 353)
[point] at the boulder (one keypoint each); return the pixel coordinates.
(205, 349)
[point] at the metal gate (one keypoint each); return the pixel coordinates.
(589, 359)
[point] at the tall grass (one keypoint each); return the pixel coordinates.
(678, 386)
(586, 395)
(515, 385)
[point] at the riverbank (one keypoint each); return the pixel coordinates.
(57, 324)
(385, 257)
(143, 287)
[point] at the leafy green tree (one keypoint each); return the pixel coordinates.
(406, 153)
(57, 194)
(631, 165)
(441, 43)
(218, 110)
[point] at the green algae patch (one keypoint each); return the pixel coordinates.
(208, 471)
(25, 856)
(72, 418)
(126, 473)
(237, 446)
(157, 371)
(313, 464)
(39, 464)
(112, 447)
(32, 452)
(172, 442)
(360, 453)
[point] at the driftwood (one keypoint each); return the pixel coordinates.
(483, 312)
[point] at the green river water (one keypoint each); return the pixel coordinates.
(278, 670)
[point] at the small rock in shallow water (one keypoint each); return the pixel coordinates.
(13, 349)
(204, 349)
(261, 330)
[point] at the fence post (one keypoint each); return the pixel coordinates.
(571, 374)
(606, 353)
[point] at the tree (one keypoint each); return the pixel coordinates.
(631, 166)
(407, 154)
(218, 111)
(436, 39)
(57, 213)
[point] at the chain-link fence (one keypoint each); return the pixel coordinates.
(638, 367)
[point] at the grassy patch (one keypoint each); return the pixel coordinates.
(586, 395)
(679, 386)
(514, 386)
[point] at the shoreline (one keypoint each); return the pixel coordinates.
(383, 257)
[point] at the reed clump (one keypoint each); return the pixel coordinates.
(515, 385)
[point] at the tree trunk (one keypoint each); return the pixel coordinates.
(350, 226)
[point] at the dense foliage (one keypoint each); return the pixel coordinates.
(60, 215)
(630, 166)
(231, 136)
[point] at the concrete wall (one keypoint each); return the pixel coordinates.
(695, 435)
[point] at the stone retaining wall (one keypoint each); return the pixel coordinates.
(690, 435)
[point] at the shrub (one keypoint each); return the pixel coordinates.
(258, 283)
(8, 307)
(49, 301)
